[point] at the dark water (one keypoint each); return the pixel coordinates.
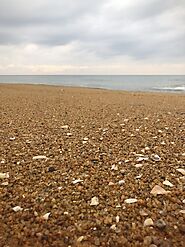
(175, 83)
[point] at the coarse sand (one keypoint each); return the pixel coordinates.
(91, 167)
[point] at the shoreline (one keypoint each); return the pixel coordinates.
(170, 92)
(78, 167)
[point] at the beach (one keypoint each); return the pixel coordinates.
(91, 167)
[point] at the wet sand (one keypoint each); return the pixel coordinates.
(71, 157)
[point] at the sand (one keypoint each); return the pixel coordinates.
(89, 167)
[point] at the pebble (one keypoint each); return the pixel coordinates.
(148, 222)
(121, 182)
(65, 127)
(139, 176)
(130, 200)
(5, 183)
(158, 190)
(141, 159)
(138, 165)
(94, 201)
(160, 224)
(167, 183)
(117, 219)
(51, 169)
(114, 167)
(182, 211)
(4, 175)
(17, 209)
(69, 134)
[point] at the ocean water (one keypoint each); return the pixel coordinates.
(166, 83)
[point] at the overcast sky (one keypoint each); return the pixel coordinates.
(92, 37)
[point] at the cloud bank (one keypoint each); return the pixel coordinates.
(92, 37)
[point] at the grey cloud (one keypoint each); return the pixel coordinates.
(139, 29)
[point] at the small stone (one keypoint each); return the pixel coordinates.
(167, 183)
(158, 190)
(117, 219)
(160, 224)
(111, 183)
(46, 216)
(4, 175)
(86, 138)
(114, 167)
(130, 200)
(94, 201)
(141, 159)
(12, 138)
(17, 209)
(51, 169)
(5, 183)
(69, 134)
(143, 213)
(147, 241)
(182, 171)
(148, 222)
(139, 176)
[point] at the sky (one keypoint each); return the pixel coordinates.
(92, 37)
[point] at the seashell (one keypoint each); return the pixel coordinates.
(69, 134)
(155, 157)
(38, 157)
(121, 182)
(167, 183)
(80, 239)
(138, 165)
(130, 200)
(4, 175)
(182, 171)
(117, 219)
(139, 176)
(46, 216)
(94, 201)
(158, 190)
(17, 209)
(141, 159)
(65, 127)
(77, 181)
(114, 167)
(148, 222)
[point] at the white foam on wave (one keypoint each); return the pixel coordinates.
(175, 88)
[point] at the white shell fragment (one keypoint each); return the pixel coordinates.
(17, 209)
(182, 171)
(80, 239)
(4, 175)
(12, 138)
(65, 127)
(148, 222)
(39, 157)
(113, 227)
(131, 200)
(46, 216)
(167, 183)
(139, 176)
(141, 159)
(121, 182)
(155, 157)
(4, 183)
(114, 167)
(182, 211)
(158, 190)
(117, 219)
(138, 165)
(94, 201)
(69, 134)
(77, 181)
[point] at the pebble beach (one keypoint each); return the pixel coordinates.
(91, 167)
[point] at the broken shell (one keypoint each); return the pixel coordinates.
(77, 181)
(141, 159)
(69, 134)
(65, 127)
(17, 209)
(138, 165)
(182, 211)
(46, 216)
(38, 157)
(131, 200)
(121, 182)
(4, 183)
(113, 227)
(158, 190)
(117, 219)
(155, 157)
(111, 183)
(80, 239)
(139, 176)
(4, 175)
(148, 222)
(94, 201)
(167, 183)
(182, 171)
(114, 167)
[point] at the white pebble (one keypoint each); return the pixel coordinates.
(4, 175)
(131, 200)
(77, 181)
(17, 209)
(148, 222)
(94, 201)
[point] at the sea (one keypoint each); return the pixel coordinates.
(146, 83)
